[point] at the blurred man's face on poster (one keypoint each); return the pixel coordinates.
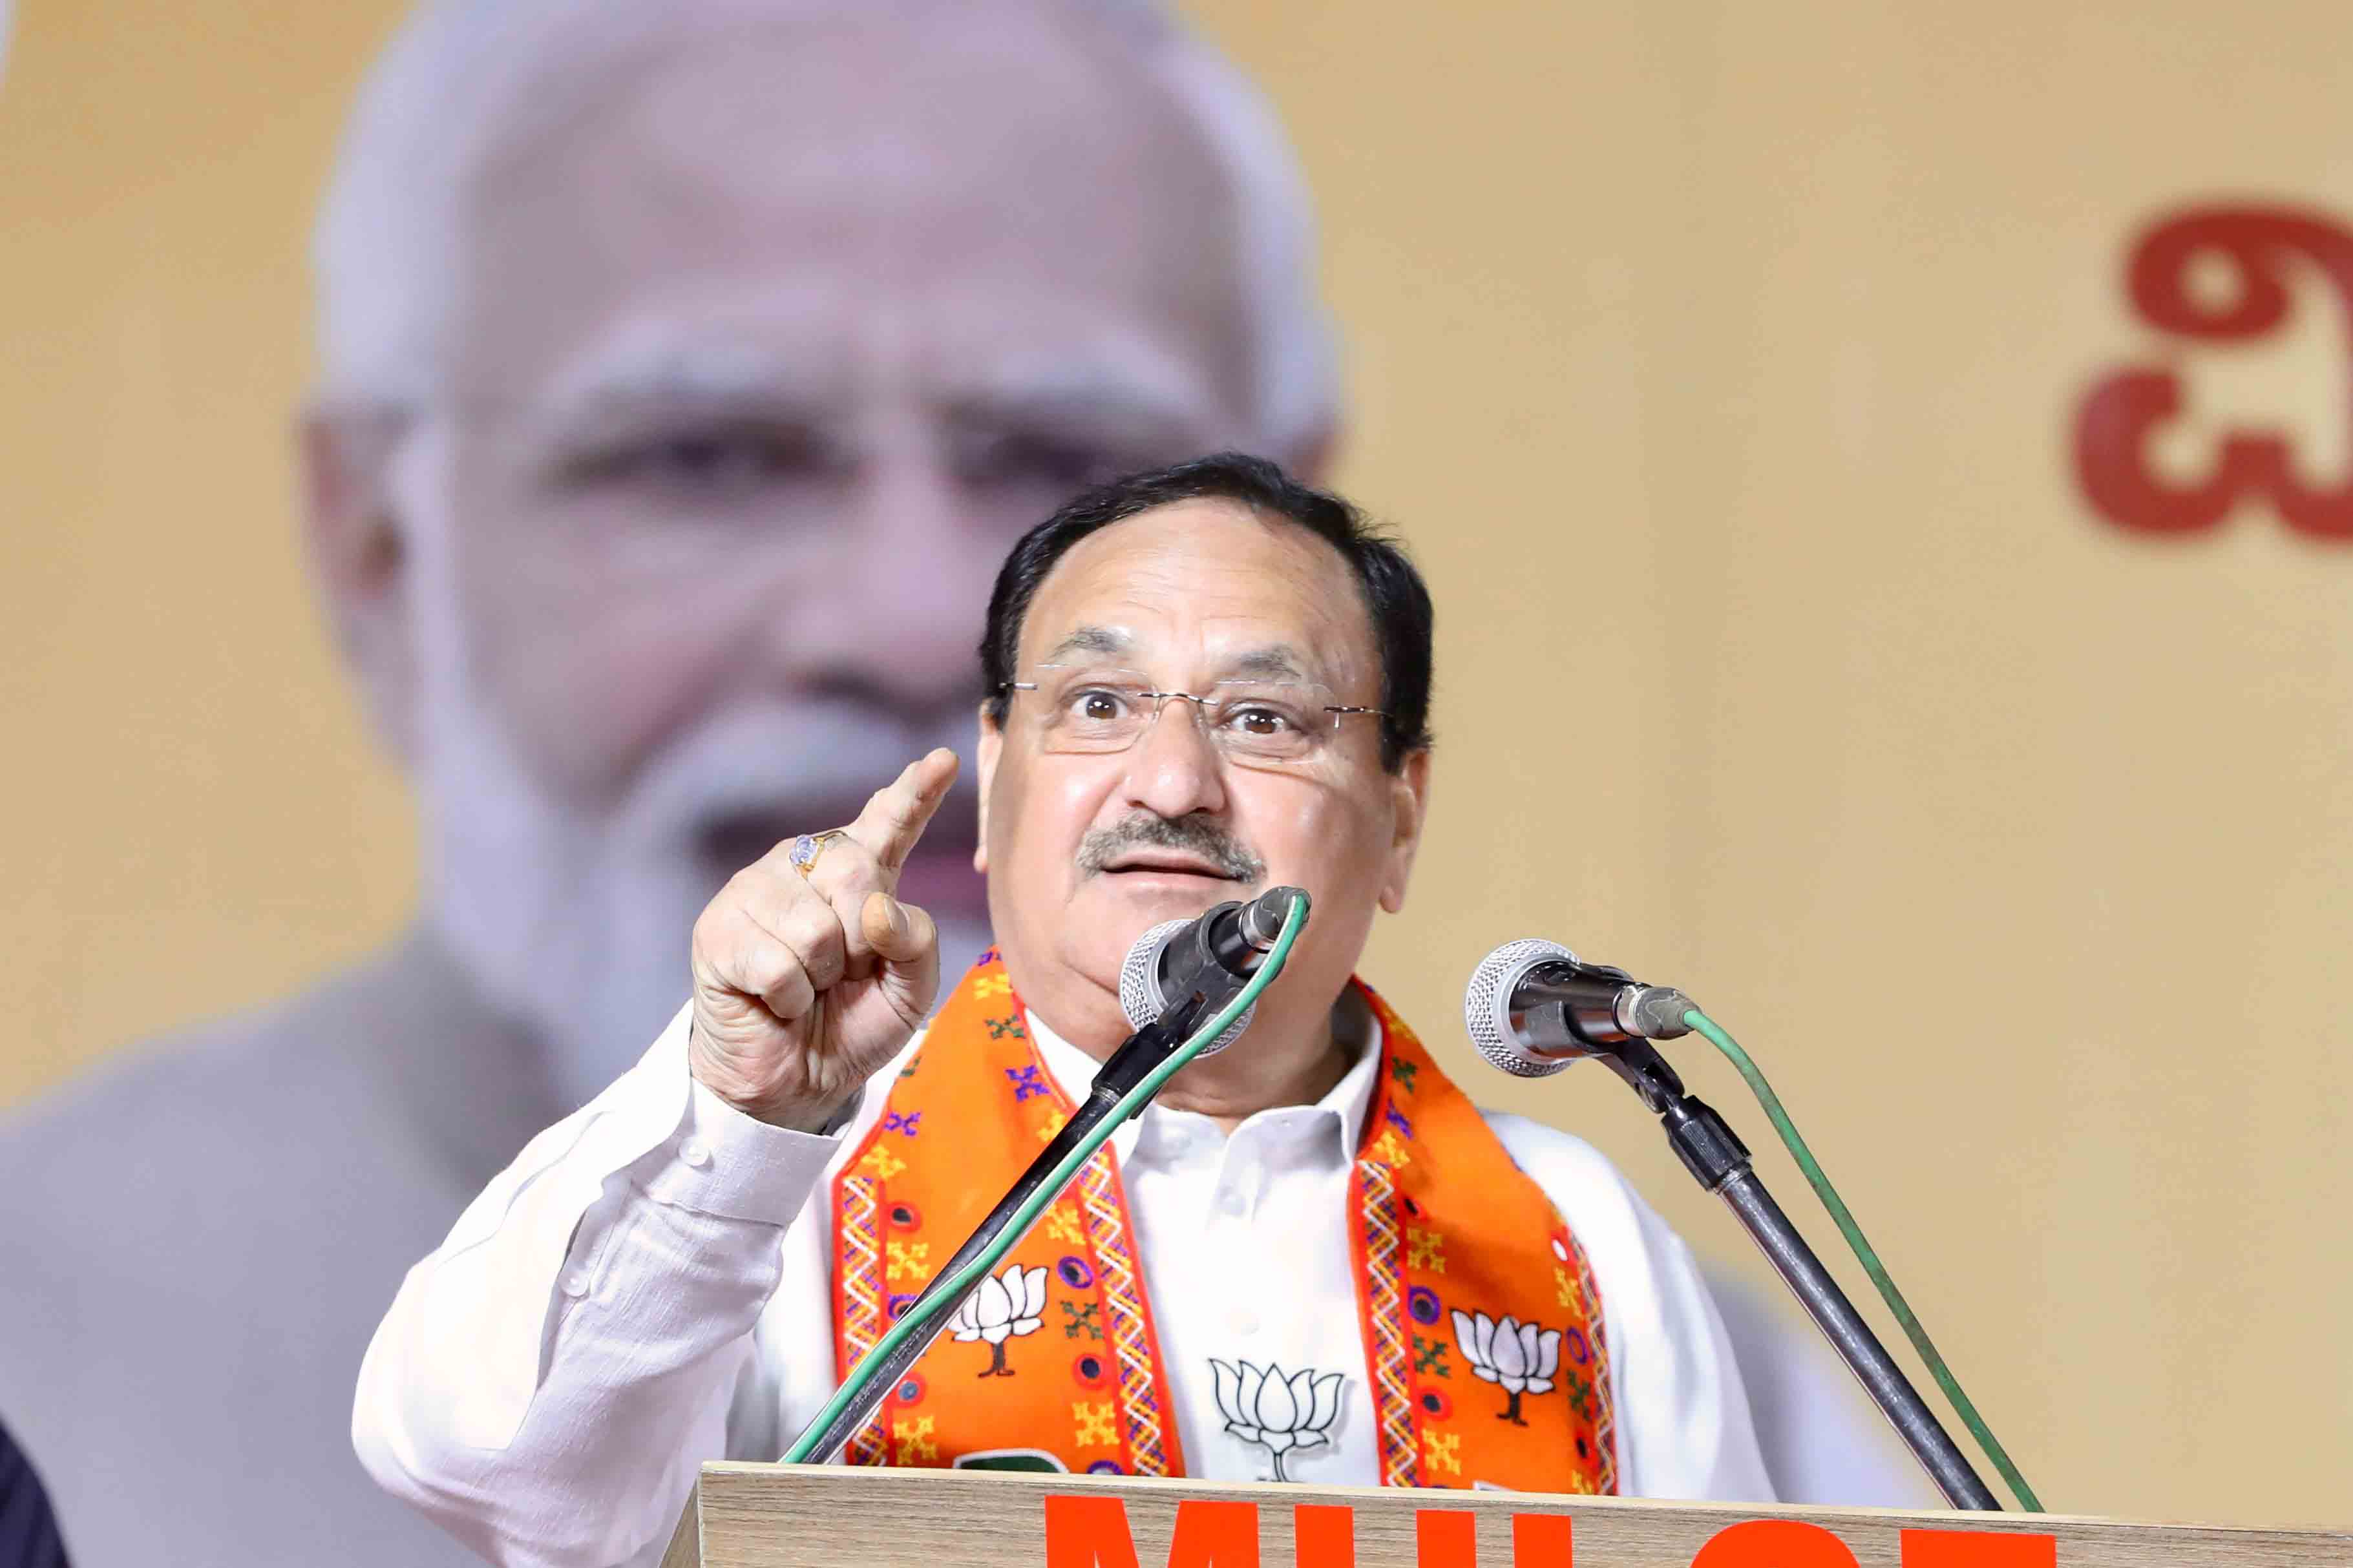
(762, 350)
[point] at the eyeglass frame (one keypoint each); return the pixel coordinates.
(1160, 701)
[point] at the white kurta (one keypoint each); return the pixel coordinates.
(648, 1286)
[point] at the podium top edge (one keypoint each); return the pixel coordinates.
(730, 1473)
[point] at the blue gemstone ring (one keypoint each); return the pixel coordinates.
(802, 855)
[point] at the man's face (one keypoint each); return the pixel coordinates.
(1087, 848)
(765, 349)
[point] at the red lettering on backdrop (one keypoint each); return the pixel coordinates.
(1324, 1534)
(1092, 1533)
(2122, 409)
(1542, 1541)
(1789, 1543)
(1977, 1549)
(1446, 1538)
(1773, 1543)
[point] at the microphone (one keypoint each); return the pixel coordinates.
(1532, 1007)
(1176, 974)
(1220, 949)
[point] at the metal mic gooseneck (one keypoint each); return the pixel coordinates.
(1532, 1007)
(1188, 1011)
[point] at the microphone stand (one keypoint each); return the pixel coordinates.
(1713, 1154)
(1126, 1068)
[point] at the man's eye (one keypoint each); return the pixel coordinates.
(1096, 707)
(1045, 461)
(1259, 720)
(700, 463)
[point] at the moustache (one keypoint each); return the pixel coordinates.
(1196, 834)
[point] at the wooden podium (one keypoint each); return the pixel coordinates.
(831, 1516)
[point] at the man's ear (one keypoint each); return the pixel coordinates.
(359, 556)
(992, 746)
(1409, 793)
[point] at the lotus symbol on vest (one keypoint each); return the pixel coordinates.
(1283, 1415)
(1512, 1353)
(1006, 1306)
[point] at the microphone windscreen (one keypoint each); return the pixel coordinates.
(1487, 1005)
(1143, 996)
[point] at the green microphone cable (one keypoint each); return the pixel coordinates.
(1701, 1023)
(951, 1292)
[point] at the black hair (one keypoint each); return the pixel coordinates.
(1395, 599)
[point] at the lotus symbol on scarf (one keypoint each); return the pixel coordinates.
(1006, 1306)
(1283, 1414)
(1512, 1353)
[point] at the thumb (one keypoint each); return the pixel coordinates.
(899, 933)
(904, 938)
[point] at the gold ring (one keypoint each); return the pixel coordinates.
(803, 854)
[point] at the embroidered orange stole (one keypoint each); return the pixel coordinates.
(1482, 1327)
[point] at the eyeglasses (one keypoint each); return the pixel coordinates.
(1095, 709)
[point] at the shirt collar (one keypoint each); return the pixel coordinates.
(1342, 1110)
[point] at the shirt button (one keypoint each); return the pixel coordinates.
(576, 1284)
(1242, 1321)
(695, 1153)
(1232, 1202)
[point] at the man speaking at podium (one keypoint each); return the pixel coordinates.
(1312, 1259)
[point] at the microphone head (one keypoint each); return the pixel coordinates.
(1140, 993)
(1487, 1005)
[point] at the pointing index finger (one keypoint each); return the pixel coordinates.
(899, 811)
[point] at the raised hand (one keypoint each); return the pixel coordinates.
(805, 986)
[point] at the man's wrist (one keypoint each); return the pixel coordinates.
(827, 1124)
(792, 1115)
(823, 1121)
(789, 1114)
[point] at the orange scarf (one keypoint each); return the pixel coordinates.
(1474, 1301)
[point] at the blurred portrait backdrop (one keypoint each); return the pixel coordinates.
(475, 476)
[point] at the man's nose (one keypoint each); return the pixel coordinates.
(1174, 768)
(891, 609)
